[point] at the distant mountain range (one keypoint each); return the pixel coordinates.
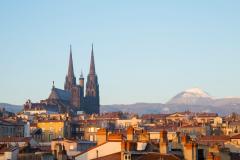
(194, 99)
(11, 108)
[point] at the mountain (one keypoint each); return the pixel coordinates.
(193, 96)
(11, 108)
(194, 99)
(150, 108)
(140, 108)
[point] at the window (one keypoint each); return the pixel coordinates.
(91, 137)
(127, 157)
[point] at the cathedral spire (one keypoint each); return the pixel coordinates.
(70, 64)
(91, 101)
(70, 78)
(92, 64)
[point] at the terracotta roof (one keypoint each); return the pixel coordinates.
(213, 139)
(206, 114)
(154, 116)
(109, 115)
(236, 123)
(192, 126)
(15, 139)
(236, 137)
(50, 120)
(157, 156)
(161, 128)
(33, 124)
(41, 106)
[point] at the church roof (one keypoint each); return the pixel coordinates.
(51, 108)
(60, 94)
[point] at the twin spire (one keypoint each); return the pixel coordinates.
(70, 65)
(92, 64)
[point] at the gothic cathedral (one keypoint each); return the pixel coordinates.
(89, 103)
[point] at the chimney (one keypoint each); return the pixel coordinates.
(178, 138)
(210, 156)
(101, 136)
(163, 143)
(184, 139)
(190, 151)
(126, 148)
(115, 137)
(130, 133)
(217, 158)
(123, 149)
(144, 136)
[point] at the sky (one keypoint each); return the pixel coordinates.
(145, 51)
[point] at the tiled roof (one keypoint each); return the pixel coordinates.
(236, 136)
(41, 106)
(154, 116)
(52, 108)
(60, 94)
(235, 123)
(161, 128)
(109, 115)
(192, 126)
(214, 138)
(50, 120)
(15, 139)
(203, 114)
(157, 156)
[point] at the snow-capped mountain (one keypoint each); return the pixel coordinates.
(193, 96)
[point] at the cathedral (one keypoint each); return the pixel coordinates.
(72, 98)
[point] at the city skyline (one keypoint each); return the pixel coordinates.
(148, 53)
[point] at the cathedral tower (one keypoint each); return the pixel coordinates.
(92, 103)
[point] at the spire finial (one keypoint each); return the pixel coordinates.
(53, 85)
(92, 64)
(70, 65)
(81, 75)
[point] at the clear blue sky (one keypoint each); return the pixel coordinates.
(145, 51)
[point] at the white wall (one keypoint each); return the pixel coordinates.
(103, 150)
